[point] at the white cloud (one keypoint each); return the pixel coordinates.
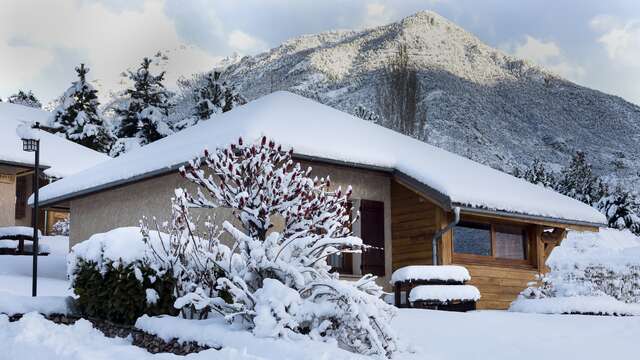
(109, 40)
(377, 14)
(548, 55)
(621, 39)
(245, 43)
(19, 64)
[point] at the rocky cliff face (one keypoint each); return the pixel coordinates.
(475, 100)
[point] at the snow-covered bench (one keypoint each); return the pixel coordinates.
(444, 297)
(12, 240)
(436, 287)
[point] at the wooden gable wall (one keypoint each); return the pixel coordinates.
(414, 220)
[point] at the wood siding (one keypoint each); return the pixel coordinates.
(414, 219)
(498, 286)
(413, 222)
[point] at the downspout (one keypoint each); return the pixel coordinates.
(438, 235)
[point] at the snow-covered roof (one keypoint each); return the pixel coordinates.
(319, 131)
(61, 156)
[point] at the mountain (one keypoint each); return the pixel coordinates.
(475, 100)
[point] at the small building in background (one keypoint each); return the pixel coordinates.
(59, 158)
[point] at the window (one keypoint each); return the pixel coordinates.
(504, 242)
(511, 242)
(472, 238)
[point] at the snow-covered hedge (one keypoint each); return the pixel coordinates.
(603, 265)
(115, 278)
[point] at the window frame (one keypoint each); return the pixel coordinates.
(528, 262)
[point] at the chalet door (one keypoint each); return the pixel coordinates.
(372, 233)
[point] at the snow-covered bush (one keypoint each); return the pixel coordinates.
(279, 282)
(190, 257)
(115, 278)
(61, 227)
(592, 264)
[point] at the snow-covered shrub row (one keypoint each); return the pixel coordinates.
(588, 264)
(278, 283)
(116, 279)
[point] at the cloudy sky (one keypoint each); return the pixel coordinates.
(594, 43)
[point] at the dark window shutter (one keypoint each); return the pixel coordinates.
(21, 197)
(372, 231)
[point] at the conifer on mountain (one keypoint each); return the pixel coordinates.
(363, 113)
(203, 96)
(26, 98)
(76, 116)
(539, 175)
(142, 112)
(579, 182)
(622, 209)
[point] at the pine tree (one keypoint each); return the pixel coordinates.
(204, 96)
(77, 117)
(366, 114)
(25, 98)
(579, 182)
(142, 114)
(538, 174)
(622, 209)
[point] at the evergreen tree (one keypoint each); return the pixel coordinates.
(143, 111)
(579, 182)
(25, 98)
(204, 96)
(539, 175)
(366, 114)
(76, 116)
(622, 209)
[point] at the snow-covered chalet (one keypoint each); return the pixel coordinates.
(59, 158)
(405, 189)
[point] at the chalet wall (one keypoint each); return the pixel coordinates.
(413, 222)
(499, 286)
(125, 206)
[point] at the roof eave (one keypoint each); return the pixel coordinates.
(576, 224)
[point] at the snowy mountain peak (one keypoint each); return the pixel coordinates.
(474, 100)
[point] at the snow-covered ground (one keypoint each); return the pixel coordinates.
(428, 334)
(15, 271)
(424, 334)
(596, 273)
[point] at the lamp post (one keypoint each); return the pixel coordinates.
(32, 144)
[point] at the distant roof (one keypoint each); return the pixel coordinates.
(61, 157)
(317, 131)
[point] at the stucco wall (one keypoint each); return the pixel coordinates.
(126, 205)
